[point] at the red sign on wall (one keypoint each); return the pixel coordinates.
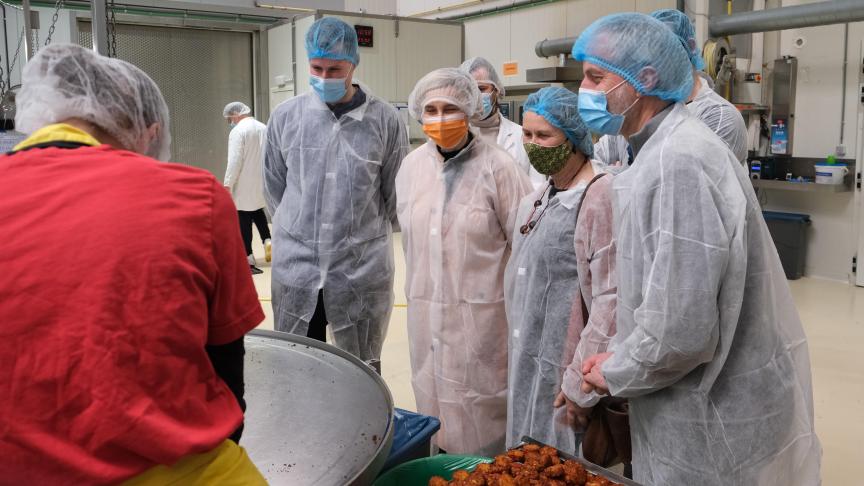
(364, 35)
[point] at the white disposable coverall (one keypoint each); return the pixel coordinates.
(244, 174)
(552, 271)
(330, 186)
(457, 218)
(709, 348)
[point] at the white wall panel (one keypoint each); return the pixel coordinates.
(511, 36)
(414, 58)
(301, 27)
(488, 37)
(818, 97)
(280, 62)
(527, 28)
(377, 69)
(377, 7)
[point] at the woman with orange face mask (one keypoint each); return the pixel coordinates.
(457, 198)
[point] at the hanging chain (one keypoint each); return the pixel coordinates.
(57, 8)
(35, 41)
(15, 59)
(111, 21)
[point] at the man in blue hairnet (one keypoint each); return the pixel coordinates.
(709, 348)
(704, 103)
(329, 168)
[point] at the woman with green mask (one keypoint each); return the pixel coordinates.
(560, 288)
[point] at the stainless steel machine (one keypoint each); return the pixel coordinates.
(316, 414)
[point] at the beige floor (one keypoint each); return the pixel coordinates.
(833, 316)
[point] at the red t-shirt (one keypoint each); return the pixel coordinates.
(115, 272)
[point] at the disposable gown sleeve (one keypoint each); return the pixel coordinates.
(681, 226)
(611, 151)
(235, 158)
(601, 151)
(595, 249)
(396, 150)
(512, 185)
(275, 168)
(726, 121)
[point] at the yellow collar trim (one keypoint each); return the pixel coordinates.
(59, 132)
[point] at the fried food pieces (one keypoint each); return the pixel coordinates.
(530, 465)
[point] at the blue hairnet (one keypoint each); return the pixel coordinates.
(331, 38)
(627, 43)
(681, 26)
(560, 107)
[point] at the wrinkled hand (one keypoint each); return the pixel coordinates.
(577, 416)
(592, 374)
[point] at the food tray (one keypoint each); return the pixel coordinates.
(589, 466)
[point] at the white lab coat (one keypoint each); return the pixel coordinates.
(510, 139)
(457, 219)
(245, 175)
(709, 347)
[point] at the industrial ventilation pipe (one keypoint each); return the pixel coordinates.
(799, 16)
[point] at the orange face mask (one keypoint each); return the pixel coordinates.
(446, 131)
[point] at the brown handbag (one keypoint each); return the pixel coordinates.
(607, 438)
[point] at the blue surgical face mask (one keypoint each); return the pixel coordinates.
(593, 109)
(330, 90)
(232, 125)
(487, 105)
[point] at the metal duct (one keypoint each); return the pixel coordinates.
(554, 47)
(808, 15)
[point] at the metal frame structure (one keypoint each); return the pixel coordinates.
(259, 52)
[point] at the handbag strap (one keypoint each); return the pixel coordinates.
(585, 195)
(578, 211)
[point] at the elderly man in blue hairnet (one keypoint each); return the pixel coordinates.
(330, 165)
(709, 348)
(704, 103)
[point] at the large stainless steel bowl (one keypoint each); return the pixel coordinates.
(315, 415)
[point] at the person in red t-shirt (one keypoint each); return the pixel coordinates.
(124, 290)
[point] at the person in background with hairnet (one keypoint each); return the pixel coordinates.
(244, 176)
(127, 365)
(704, 103)
(709, 347)
(563, 257)
(457, 201)
(329, 169)
(490, 125)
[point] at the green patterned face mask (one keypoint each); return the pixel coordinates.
(548, 160)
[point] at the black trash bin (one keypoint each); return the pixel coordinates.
(789, 232)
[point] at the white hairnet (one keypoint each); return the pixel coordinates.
(68, 81)
(236, 108)
(450, 84)
(483, 71)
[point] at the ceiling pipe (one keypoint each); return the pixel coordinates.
(554, 47)
(446, 8)
(799, 16)
(796, 17)
(509, 7)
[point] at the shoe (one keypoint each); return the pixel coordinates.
(251, 260)
(255, 270)
(268, 250)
